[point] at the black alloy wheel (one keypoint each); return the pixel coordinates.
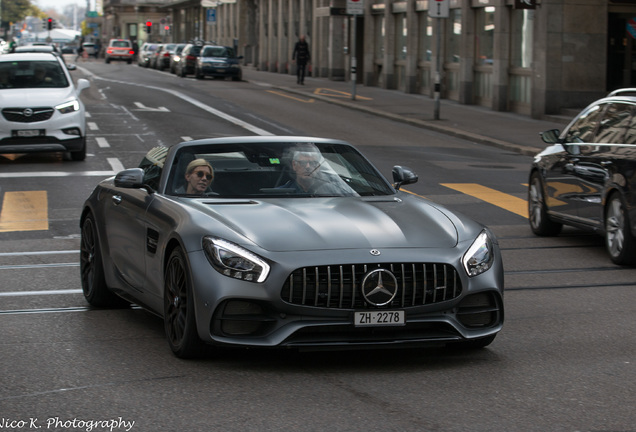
(619, 242)
(179, 318)
(540, 222)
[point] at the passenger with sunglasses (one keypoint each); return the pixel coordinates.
(199, 175)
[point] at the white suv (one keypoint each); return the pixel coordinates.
(40, 108)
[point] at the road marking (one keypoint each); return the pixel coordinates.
(337, 93)
(39, 293)
(192, 101)
(291, 97)
(115, 164)
(92, 126)
(186, 138)
(503, 200)
(142, 107)
(102, 142)
(24, 211)
(58, 174)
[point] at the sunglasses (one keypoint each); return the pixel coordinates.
(201, 174)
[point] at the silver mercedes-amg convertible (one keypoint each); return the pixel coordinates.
(287, 242)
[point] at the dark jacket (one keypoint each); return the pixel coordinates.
(301, 52)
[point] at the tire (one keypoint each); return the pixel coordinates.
(93, 281)
(178, 308)
(540, 222)
(79, 155)
(107, 60)
(619, 242)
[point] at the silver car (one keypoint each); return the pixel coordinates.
(287, 242)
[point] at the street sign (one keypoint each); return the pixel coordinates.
(211, 15)
(355, 7)
(439, 8)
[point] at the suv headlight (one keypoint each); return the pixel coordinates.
(233, 261)
(68, 107)
(480, 255)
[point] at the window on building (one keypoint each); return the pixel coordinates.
(401, 30)
(485, 32)
(521, 36)
(379, 37)
(426, 38)
(453, 36)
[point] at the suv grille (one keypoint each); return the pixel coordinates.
(339, 286)
(27, 115)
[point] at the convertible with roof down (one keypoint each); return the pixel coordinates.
(287, 242)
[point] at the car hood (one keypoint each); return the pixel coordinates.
(336, 223)
(35, 97)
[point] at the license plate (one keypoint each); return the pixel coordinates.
(220, 70)
(28, 132)
(378, 318)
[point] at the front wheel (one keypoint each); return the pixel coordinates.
(619, 241)
(178, 308)
(540, 222)
(92, 269)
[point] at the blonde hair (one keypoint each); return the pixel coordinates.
(197, 163)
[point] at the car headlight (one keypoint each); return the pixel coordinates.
(68, 107)
(479, 256)
(233, 261)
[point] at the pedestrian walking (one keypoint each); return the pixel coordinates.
(80, 50)
(302, 57)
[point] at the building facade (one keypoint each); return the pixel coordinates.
(533, 57)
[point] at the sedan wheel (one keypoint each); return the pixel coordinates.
(540, 222)
(92, 269)
(179, 319)
(618, 239)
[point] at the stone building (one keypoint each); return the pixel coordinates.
(533, 57)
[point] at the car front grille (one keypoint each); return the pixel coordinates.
(340, 286)
(27, 115)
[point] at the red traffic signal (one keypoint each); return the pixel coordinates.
(148, 27)
(49, 23)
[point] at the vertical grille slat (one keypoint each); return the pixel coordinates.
(339, 287)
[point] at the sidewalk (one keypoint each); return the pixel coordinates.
(508, 131)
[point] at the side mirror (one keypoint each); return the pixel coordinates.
(82, 84)
(550, 136)
(132, 178)
(403, 176)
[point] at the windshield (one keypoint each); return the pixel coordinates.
(291, 170)
(32, 74)
(217, 52)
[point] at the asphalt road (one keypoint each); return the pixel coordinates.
(565, 361)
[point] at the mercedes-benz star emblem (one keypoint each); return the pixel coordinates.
(374, 252)
(379, 287)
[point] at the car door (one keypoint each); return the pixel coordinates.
(563, 188)
(592, 170)
(124, 212)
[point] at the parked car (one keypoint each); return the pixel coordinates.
(287, 242)
(189, 57)
(90, 49)
(585, 178)
(119, 49)
(145, 54)
(40, 105)
(218, 62)
(176, 57)
(164, 53)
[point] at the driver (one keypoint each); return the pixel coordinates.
(199, 175)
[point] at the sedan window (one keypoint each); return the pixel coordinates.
(583, 129)
(616, 119)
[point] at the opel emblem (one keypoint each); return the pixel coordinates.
(374, 252)
(379, 287)
(28, 112)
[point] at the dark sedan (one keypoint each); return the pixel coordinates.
(287, 242)
(218, 62)
(586, 178)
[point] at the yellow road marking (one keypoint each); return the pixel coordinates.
(337, 93)
(291, 97)
(505, 201)
(24, 211)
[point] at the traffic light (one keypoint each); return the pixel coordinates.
(148, 27)
(50, 23)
